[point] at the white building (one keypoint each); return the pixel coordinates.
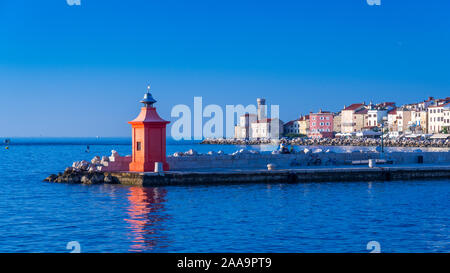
(419, 120)
(243, 130)
(267, 128)
(375, 117)
(399, 120)
(438, 118)
(292, 127)
(252, 126)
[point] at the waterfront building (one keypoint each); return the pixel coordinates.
(292, 127)
(243, 130)
(258, 126)
(376, 114)
(399, 120)
(148, 138)
(304, 125)
(267, 129)
(404, 120)
(419, 121)
(337, 122)
(438, 117)
(360, 119)
(420, 115)
(392, 120)
(321, 125)
(298, 126)
(375, 117)
(349, 120)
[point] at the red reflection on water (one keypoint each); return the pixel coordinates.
(146, 214)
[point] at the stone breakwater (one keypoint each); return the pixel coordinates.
(397, 142)
(240, 165)
(336, 175)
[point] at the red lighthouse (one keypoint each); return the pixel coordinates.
(149, 138)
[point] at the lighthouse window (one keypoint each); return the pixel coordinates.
(138, 146)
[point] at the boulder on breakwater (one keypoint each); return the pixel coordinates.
(76, 176)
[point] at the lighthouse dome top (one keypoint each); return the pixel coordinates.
(148, 98)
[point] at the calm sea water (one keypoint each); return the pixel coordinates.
(35, 216)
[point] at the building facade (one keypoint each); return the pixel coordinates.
(292, 127)
(438, 118)
(337, 122)
(375, 117)
(254, 126)
(419, 121)
(348, 119)
(304, 125)
(243, 130)
(267, 128)
(360, 119)
(399, 120)
(321, 125)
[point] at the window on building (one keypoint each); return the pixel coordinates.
(138, 146)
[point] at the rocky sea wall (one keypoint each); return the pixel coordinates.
(389, 142)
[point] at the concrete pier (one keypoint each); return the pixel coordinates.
(236, 176)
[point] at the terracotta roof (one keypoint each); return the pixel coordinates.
(442, 105)
(354, 106)
(362, 112)
(290, 123)
(386, 104)
(392, 112)
(304, 118)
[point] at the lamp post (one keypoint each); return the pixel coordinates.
(382, 134)
(382, 137)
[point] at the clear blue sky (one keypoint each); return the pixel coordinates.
(80, 70)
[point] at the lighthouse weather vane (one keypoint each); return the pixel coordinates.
(148, 98)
